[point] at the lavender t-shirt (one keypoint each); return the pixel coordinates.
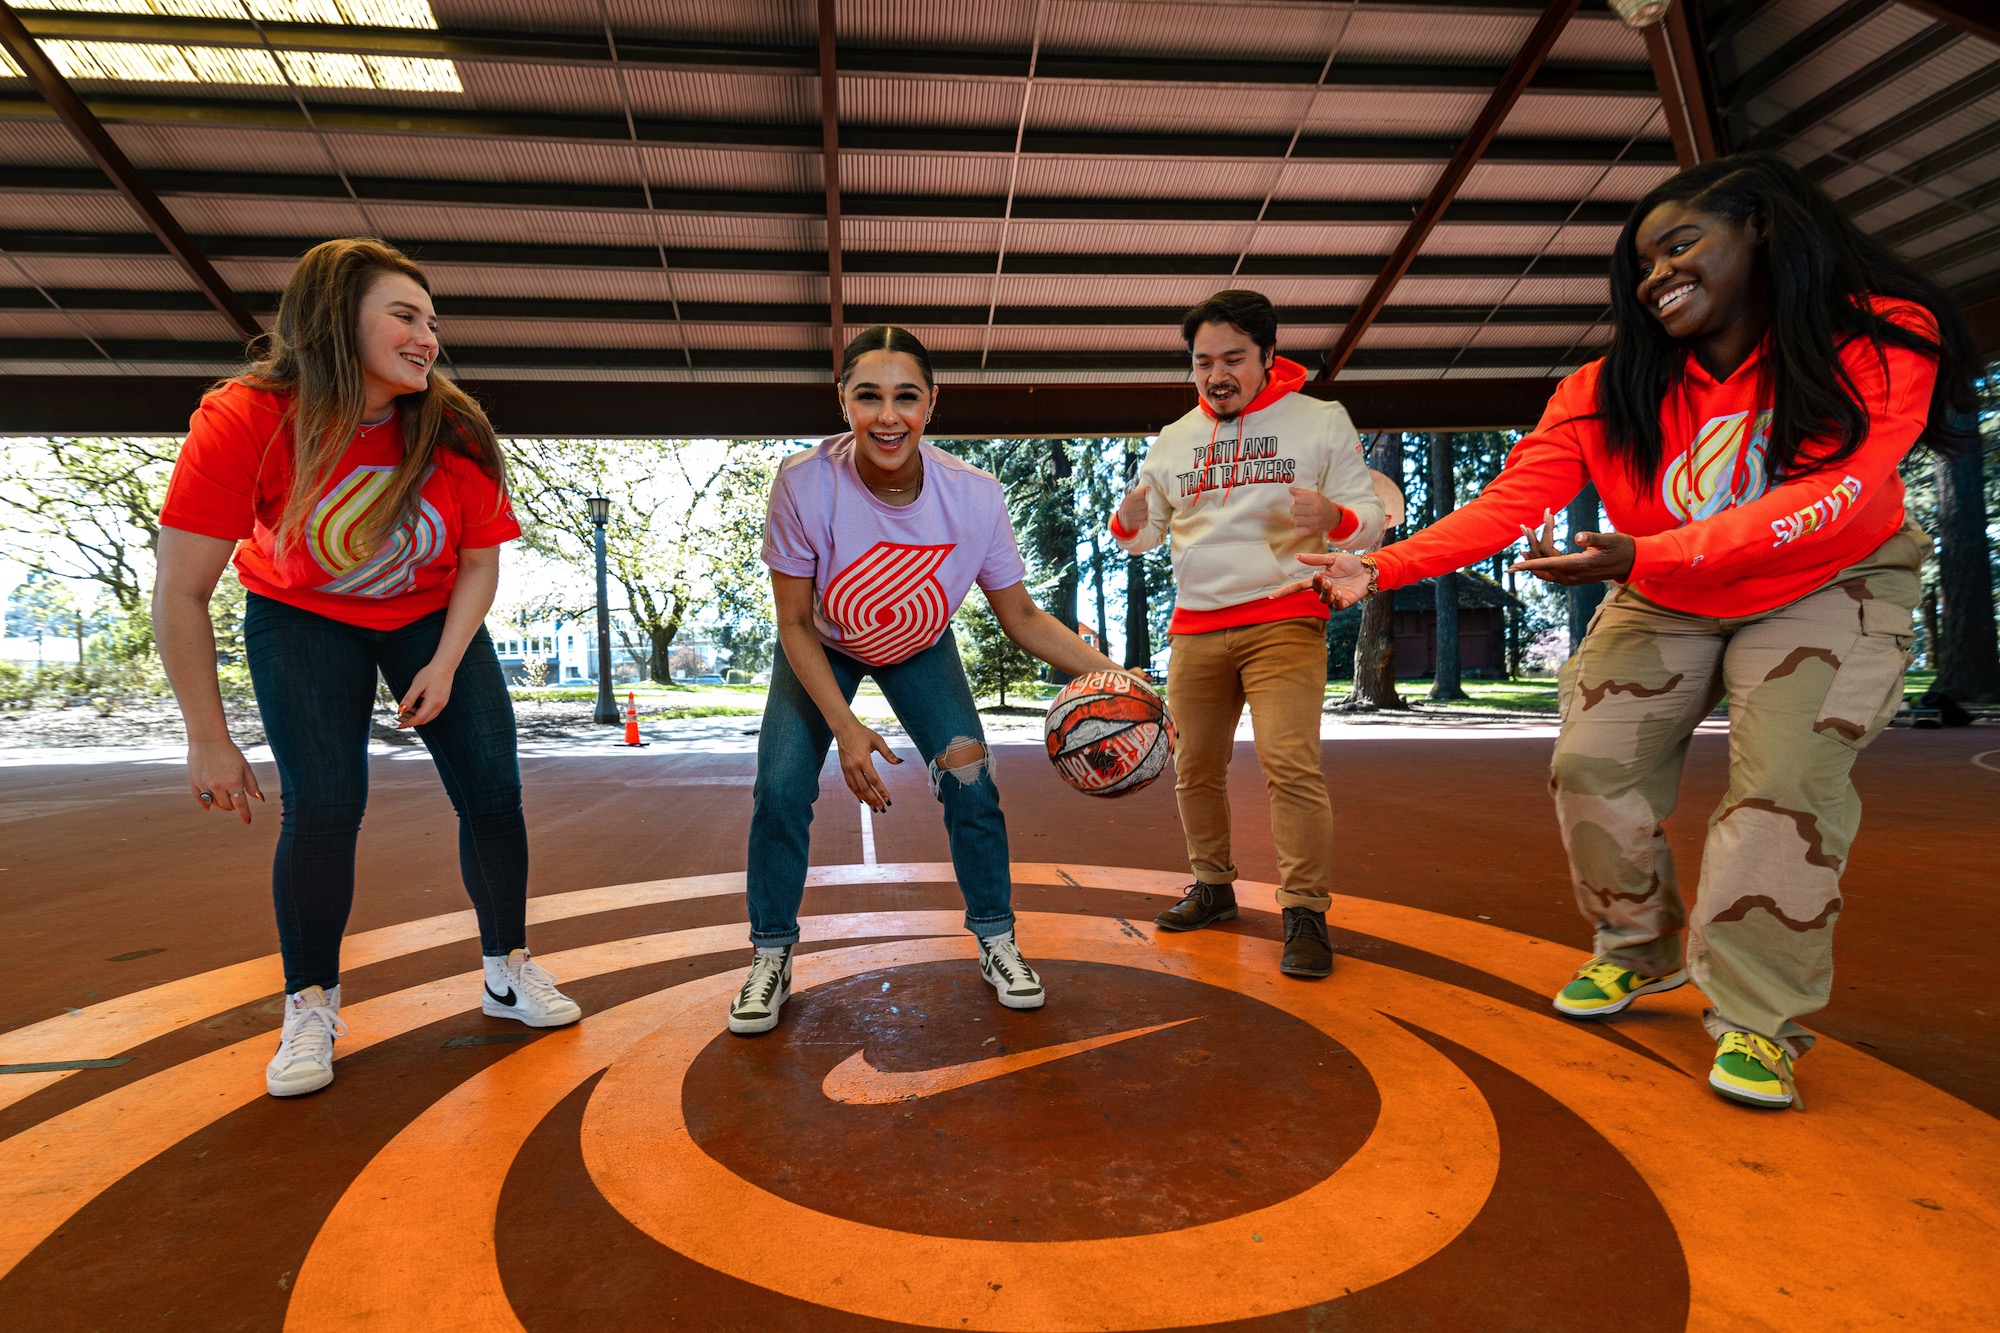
(888, 577)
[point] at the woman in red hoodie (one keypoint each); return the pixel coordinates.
(1770, 368)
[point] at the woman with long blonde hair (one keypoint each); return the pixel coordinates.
(364, 499)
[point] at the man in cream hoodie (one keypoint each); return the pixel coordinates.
(1255, 475)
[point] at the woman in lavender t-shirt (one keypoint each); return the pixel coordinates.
(873, 539)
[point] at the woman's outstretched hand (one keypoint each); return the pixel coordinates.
(858, 748)
(1606, 557)
(1341, 581)
(218, 771)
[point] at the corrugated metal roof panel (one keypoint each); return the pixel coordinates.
(702, 95)
(777, 287)
(471, 331)
(510, 86)
(734, 169)
(1308, 179)
(220, 148)
(1247, 30)
(578, 284)
(769, 22)
(1598, 39)
(1060, 338)
(1390, 112)
(923, 236)
(1806, 79)
(922, 24)
(945, 338)
(1395, 32)
(255, 217)
(1485, 291)
(1774, 25)
(896, 290)
(926, 103)
(62, 211)
(1529, 335)
(1124, 178)
(262, 275)
(39, 143)
(1168, 108)
(136, 273)
(437, 157)
(1557, 115)
(1354, 239)
(178, 326)
(934, 174)
(1125, 237)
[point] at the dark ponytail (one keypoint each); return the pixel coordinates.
(887, 338)
(1821, 270)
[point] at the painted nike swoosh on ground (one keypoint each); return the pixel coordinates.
(858, 1083)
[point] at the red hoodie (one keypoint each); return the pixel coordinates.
(1715, 535)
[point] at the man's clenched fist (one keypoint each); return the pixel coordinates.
(1312, 512)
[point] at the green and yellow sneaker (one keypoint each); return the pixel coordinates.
(1753, 1070)
(1605, 987)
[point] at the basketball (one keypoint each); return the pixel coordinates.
(1108, 734)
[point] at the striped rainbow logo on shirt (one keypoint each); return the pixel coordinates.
(1719, 469)
(332, 535)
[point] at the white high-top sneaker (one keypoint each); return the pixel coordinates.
(1000, 963)
(765, 990)
(304, 1062)
(519, 988)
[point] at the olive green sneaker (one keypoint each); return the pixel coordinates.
(1754, 1070)
(1603, 988)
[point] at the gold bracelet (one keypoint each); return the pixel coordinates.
(1374, 576)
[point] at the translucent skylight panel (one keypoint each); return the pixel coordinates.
(150, 62)
(370, 13)
(145, 62)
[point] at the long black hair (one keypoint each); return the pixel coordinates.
(887, 338)
(1819, 270)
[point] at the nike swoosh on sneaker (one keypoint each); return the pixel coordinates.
(509, 999)
(857, 1083)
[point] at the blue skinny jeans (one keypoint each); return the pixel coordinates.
(315, 685)
(933, 702)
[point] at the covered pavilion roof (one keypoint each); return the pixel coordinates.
(657, 216)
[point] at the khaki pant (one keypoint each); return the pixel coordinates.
(1280, 669)
(1809, 686)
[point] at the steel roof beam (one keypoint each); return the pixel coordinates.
(62, 100)
(829, 115)
(159, 405)
(1927, 168)
(1541, 39)
(584, 197)
(775, 314)
(928, 63)
(468, 359)
(813, 262)
(340, 117)
(1877, 73)
(1981, 18)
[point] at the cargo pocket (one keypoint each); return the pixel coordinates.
(1867, 687)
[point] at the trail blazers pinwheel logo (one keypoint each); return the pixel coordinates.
(1720, 469)
(888, 604)
(333, 537)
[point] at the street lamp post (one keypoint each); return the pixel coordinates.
(607, 707)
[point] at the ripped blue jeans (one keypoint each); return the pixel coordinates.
(933, 702)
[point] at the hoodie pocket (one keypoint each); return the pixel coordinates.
(1218, 574)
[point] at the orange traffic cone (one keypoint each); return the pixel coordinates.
(632, 719)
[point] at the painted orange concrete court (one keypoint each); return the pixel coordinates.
(1182, 1138)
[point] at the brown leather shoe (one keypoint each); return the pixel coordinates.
(1202, 905)
(1308, 951)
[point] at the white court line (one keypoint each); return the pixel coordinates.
(867, 834)
(1981, 758)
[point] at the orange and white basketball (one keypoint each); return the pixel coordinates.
(1108, 734)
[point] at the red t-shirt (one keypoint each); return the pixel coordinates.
(1715, 535)
(235, 472)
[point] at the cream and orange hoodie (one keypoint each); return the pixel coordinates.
(1222, 489)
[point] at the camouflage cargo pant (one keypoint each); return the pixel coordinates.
(1809, 686)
